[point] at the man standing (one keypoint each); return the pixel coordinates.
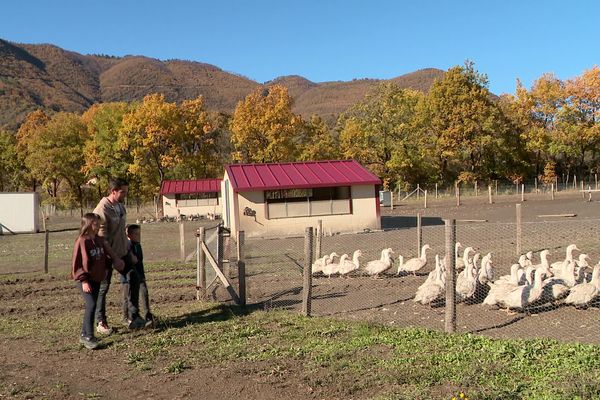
(113, 217)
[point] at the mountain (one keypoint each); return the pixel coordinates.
(48, 77)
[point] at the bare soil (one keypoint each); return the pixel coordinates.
(32, 367)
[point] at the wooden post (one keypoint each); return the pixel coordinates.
(425, 203)
(490, 194)
(200, 266)
(552, 191)
(574, 181)
(496, 187)
(535, 183)
(567, 182)
(181, 241)
(519, 229)
(419, 234)
(517, 187)
(418, 191)
(476, 191)
(589, 193)
(436, 190)
(522, 192)
(450, 320)
(391, 199)
(46, 242)
(307, 281)
(582, 193)
(319, 243)
(596, 179)
(241, 268)
(457, 188)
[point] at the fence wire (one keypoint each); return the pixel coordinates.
(274, 270)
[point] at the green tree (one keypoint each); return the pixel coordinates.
(264, 128)
(10, 166)
(319, 142)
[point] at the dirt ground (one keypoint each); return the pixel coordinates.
(33, 368)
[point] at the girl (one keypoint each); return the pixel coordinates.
(88, 268)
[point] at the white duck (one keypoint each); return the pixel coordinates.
(415, 264)
(333, 268)
(375, 267)
(584, 293)
(460, 263)
(520, 297)
(350, 265)
(318, 265)
(556, 266)
(502, 285)
(466, 284)
(432, 290)
(486, 272)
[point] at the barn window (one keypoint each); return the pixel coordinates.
(197, 199)
(308, 202)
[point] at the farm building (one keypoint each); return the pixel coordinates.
(19, 212)
(191, 197)
(282, 199)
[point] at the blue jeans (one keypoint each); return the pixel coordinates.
(90, 299)
(104, 286)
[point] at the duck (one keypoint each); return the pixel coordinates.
(318, 265)
(333, 268)
(466, 284)
(460, 263)
(584, 293)
(520, 297)
(434, 289)
(502, 285)
(375, 267)
(350, 265)
(556, 266)
(415, 264)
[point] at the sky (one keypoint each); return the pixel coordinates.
(325, 40)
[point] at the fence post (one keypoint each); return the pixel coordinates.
(46, 242)
(574, 181)
(319, 242)
(476, 191)
(596, 179)
(200, 265)
(490, 194)
(582, 194)
(181, 241)
(425, 203)
(450, 320)
(241, 268)
(457, 189)
(496, 181)
(522, 192)
(418, 191)
(307, 276)
(535, 183)
(436, 192)
(419, 234)
(391, 199)
(519, 229)
(552, 191)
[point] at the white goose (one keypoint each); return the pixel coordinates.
(375, 267)
(432, 290)
(556, 266)
(584, 293)
(466, 284)
(332, 269)
(350, 265)
(318, 265)
(520, 297)
(460, 263)
(415, 264)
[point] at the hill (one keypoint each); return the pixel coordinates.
(48, 77)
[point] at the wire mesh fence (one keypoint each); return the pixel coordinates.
(523, 308)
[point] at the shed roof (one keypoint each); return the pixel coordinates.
(190, 186)
(272, 176)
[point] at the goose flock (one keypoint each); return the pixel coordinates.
(570, 280)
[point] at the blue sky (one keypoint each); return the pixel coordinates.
(325, 40)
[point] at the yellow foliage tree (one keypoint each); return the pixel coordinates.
(264, 128)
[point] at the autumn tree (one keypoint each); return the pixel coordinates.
(164, 137)
(466, 125)
(319, 142)
(379, 131)
(104, 156)
(56, 155)
(264, 128)
(10, 167)
(28, 132)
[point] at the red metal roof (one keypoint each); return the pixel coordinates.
(246, 177)
(190, 186)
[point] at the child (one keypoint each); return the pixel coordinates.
(88, 268)
(134, 233)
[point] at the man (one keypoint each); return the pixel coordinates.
(113, 217)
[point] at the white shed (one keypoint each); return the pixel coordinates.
(282, 199)
(19, 212)
(191, 197)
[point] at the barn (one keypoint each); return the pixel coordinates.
(282, 199)
(191, 197)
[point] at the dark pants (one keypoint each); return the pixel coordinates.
(104, 286)
(131, 295)
(90, 299)
(145, 299)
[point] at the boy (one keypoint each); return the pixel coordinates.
(134, 233)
